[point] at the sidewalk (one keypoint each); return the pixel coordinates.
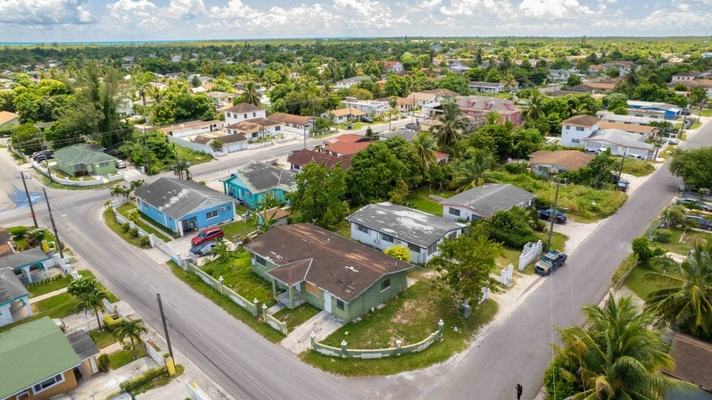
(47, 295)
(102, 385)
(323, 324)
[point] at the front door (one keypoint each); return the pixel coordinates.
(327, 302)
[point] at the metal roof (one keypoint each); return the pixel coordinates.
(31, 256)
(178, 198)
(490, 198)
(260, 177)
(10, 286)
(82, 153)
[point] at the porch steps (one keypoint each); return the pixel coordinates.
(276, 308)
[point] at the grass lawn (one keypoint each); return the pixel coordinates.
(194, 157)
(627, 264)
(695, 125)
(49, 183)
(126, 208)
(49, 237)
(707, 113)
(47, 287)
(238, 276)
(635, 167)
(675, 246)
(58, 306)
(298, 316)
(111, 222)
(160, 381)
(558, 242)
(411, 317)
(103, 338)
(122, 357)
(239, 228)
(226, 304)
(419, 199)
(642, 284)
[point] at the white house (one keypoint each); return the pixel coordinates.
(577, 128)
(484, 201)
(620, 142)
(296, 124)
(348, 82)
(343, 115)
(624, 119)
(192, 128)
(384, 225)
(393, 66)
(684, 76)
(243, 112)
(486, 87)
(370, 107)
(231, 143)
(255, 128)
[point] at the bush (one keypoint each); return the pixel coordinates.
(644, 250)
(110, 323)
(516, 167)
(556, 386)
(511, 228)
(134, 232)
(126, 227)
(18, 232)
(137, 382)
(662, 235)
(104, 363)
(145, 241)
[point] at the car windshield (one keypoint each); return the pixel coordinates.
(547, 260)
(201, 235)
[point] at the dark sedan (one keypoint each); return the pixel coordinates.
(558, 218)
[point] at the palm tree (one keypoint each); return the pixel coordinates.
(452, 124)
(250, 96)
(509, 82)
(131, 329)
(533, 110)
(686, 300)
(616, 356)
(89, 293)
(473, 172)
(424, 146)
(492, 118)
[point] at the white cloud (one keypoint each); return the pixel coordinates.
(44, 12)
(233, 9)
(185, 9)
(547, 9)
(134, 17)
(485, 8)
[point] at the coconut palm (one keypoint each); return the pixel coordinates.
(474, 171)
(250, 96)
(89, 293)
(424, 146)
(686, 300)
(509, 82)
(131, 329)
(452, 124)
(616, 355)
(492, 118)
(533, 110)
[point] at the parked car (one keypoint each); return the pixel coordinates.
(702, 222)
(550, 262)
(203, 248)
(120, 164)
(367, 120)
(622, 185)
(560, 217)
(207, 235)
(694, 203)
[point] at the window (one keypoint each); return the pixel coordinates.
(371, 290)
(245, 115)
(580, 129)
(276, 128)
(385, 285)
(211, 214)
(228, 115)
(433, 248)
(254, 114)
(575, 140)
(222, 208)
(260, 260)
(387, 238)
(362, 228)
(454, 211)
(414, 247)
(103, 164)
(339, 304)
(46, 384)
(23, 395)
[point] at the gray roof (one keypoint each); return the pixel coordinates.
(355, 79)
(619, 137)
(260, 177)
(485, 84)
(82, 153)
(178, 198)
(31, 256)
(10, 286)
(490, 198)
(406, 134)
(413, 226)
(82, 344)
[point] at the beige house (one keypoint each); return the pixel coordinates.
(550, 163)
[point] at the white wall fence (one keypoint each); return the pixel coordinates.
(96, 180)
(203, 148)
(195, 392)
(530, 251)
(505, 276)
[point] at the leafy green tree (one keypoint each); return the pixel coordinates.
(374, 173)
(399, 251)
(424, 146)
(455, 82)
(452, 125)
(319, 194)
(512, 227)
(89, 293)
(406, 153)
(694, 166)
(533, 110)
(187, 107)
(698, 95)
(131, 329)
(573, 80)
(27, 138)
(395, 86)
(645, 251)
(223, 85)
(250, 95)
(163, 113)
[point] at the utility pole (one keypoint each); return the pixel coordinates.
(620, 171)
(682, 127)
(165, 326)
(552, 216)
(145, 150)
(54, 227)
(29, 199)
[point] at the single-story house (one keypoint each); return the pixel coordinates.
(549, 163)
(307, 263)
(406, 134)
(693, 360)
(422, 98)
(486, 87)
(346, 145)
(608, 116)
(254, 181)
(256, 128)
(369, 107)
(348, 82)
(278, 215)
(221, 99)
(9, 118)
(84, 159)
(479, 106)
(443, 95)
(297, 124)
(38, 362)
(231, 143)
(704, 83)
(484, 201)
(243, 112)
(620, 142)
(182, 205)
(669, 111)
(594, 87)
(644, 131)
(87, 351)
(25, 261)
(405, 104)
(300, 159)
(192, 128)
(13, 295)
(384, 225)
(343, 115)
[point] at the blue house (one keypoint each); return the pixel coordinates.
(182, 206)
(254, 181)
(668, 111)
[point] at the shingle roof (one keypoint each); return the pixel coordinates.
(178, 198)
(290, 119)
(569, 159)
(260, 177)
(31, 256)
(82, 344)
(627, 127)
(340, 266)
(6, 116)
(82, 153)
(254, 125)
(490, 198)
(244, 108)
(442, 92)
(406, 134)
(485, 84)
(693, 360)
(347, 111)
(584, 120)
(10, 286)
(354, 79)
(305, 156)
(407, 224)
(31, 353)
(485, 103)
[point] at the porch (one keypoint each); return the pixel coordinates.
(291, 298)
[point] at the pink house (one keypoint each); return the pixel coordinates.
(482, 105)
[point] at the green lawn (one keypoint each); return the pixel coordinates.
(238, 276)
(20, 243)
(47, 287)
(683, 248)
(419, 199)
(122, 357)
(298, 316)
(695, 125)
(707, 113)
(558, 242)
(149, 228)
(239, 228)
(643, 284)
(58, 306)
(111, 222)
(225, 303)
(194, 157)
(51, 184)
(635, 167)
(102, 338)
(411, 317)
(627, 264)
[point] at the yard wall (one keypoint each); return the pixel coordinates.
(250, 306)
(68, 182)
(203, 148)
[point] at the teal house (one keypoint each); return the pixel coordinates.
(84, 159)
(306, 263)
(255, 181)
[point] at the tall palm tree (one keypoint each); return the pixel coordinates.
(616, 355)
(250, 96)
(492, 118)
(473, 172)
(509, 82)
(131, 329)
(686, 300)
(533, 110)
(424, 146)
(452, 124)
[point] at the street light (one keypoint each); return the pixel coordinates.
(51, 219)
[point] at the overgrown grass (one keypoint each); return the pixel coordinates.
(239, 228)
(102, 338)
(294, 318)
(419, 199)
(48, 287)
(122, 357)
(194, 157)
(625, 266)
(684, 247)
(225, 303)
(411, 317)
(238, 276)
(636, 167)
(149, 228)
(343, 229)
(115, 226)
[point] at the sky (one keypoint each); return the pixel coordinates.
(138, 20)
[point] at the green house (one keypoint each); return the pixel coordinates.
(84, 159)
(306, 263)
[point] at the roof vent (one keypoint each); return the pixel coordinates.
(350, 268)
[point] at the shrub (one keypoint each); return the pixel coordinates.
(662, 235)
(134, 232)
(139, 381)
(126, 227)
(516, 167)
(556, 386)
(110, 323)
(645, 251)
(399, 251)
(104, 363)
(145, 241)
(18, 232)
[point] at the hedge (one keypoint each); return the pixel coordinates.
(137, 382)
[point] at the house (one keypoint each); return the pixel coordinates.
(684, 76)
(623, 67)
(182, 205)
(668, 111)
(693, 360)
(231, 143)
(384, 225)
(84, 159)
(577, 128)
(422, 98)
(369, 107)
(550, 163)
(255, 128)
(393, 66)
(306, 263)
(559, 75)
(296, 124)
(594, 69)
(278, 215)
(255, 181)
(343, 115)
(644, 131)
(221, 99)
(458, 67)
(192, 128)
(594, 87)
(13, 296)
(346, 145)
(8, 118)
(38, 362)
(406, 134)
(479, 106)
(704, 83)
(243, 112)
(176, 58)
(301, 158)
(443, 95)
(486, 87)
(348, 82)
(607, 116)
(619, 142)
(484, 201)
(26, 261)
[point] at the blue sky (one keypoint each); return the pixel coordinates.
(113, 20)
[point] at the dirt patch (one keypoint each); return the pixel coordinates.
(406, 313)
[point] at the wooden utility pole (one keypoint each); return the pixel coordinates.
(54, 227)
(552, 216)
(165, 326)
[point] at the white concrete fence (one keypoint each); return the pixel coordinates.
(96, 180)
(530, 251)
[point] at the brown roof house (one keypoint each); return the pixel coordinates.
(8, 118)
(301, 158)
(343, 115)
(243, 112)
(346, 145)
(294, 123)
(257, 128)
(306, 263)
(230, 143)
(549, 163)
(693, 360)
